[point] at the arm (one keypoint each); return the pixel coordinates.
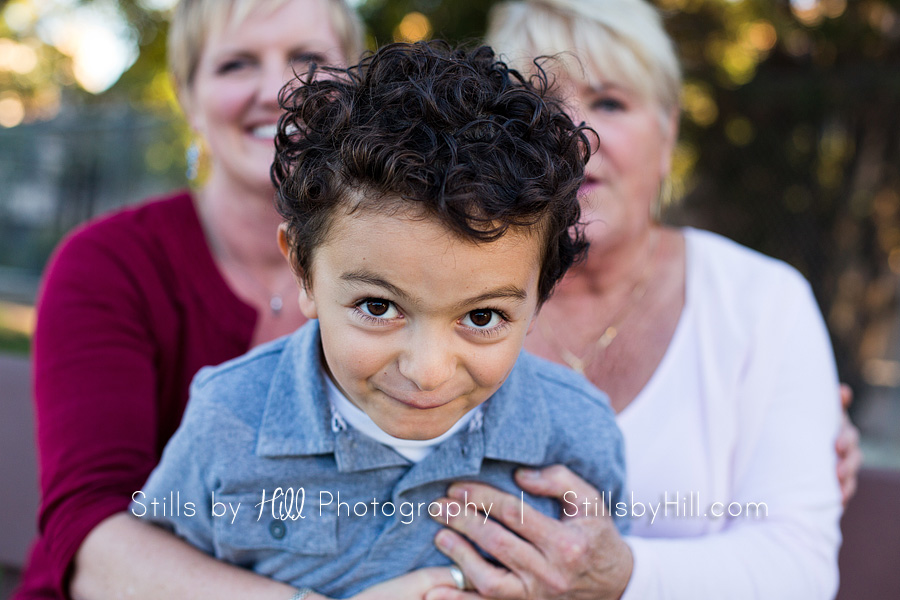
(123, 553)
(96, 385)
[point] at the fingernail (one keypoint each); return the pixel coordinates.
(528, 474)
(443, 540)
(457, 491)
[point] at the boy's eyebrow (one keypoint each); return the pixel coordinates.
(507, 291)
(510, 292)
(372, 279)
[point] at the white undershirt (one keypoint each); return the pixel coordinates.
(413, 450)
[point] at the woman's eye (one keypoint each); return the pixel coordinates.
(482, 319)
(231, 65)
(376, 307)
(305, 58)
(607, 105)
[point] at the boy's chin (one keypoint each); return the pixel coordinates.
(417, 431)
(420, 425)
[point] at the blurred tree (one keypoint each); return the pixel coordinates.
(802, 157)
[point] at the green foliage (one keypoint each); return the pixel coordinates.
(13, 342)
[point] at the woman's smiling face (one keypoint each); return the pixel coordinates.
(419, 326)
(233, 99)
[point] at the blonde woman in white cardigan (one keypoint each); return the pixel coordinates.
(715, 358)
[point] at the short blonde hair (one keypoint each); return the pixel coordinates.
(194, 20)
(619, 40)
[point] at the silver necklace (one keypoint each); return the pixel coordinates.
(276, 300)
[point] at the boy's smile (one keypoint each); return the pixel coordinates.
(418, 325)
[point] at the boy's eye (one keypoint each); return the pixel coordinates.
(376, 307)
(482, 318)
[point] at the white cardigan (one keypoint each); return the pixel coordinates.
(743, 408)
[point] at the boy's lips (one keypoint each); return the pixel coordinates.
(420, 401)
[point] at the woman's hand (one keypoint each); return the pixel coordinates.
(581, 557)
(412, 586)
(847, 447)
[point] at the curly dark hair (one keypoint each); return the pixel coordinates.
(455, 133)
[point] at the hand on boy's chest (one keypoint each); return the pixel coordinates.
(358, 516)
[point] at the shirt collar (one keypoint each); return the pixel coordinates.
(296, 420)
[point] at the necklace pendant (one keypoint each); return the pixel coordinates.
(576, 364)
(607, 338)
(276, 304)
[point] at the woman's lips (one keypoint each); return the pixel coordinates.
(588, 186)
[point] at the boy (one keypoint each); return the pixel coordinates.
(429, 199)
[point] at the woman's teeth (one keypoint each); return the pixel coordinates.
(266, 132)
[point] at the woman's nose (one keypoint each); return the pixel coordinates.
(273, 77)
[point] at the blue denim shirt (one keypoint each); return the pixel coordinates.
(262, 421)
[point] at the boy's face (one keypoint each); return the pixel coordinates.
(418, 326)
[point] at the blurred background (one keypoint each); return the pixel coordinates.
(790, 144)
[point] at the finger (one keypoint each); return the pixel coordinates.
(848, 436)
(850, 463)
(848, 490)
(846, 396)
(489, 580)
(434, 577)
(495, 539)
(452, 594)
(577, 497)
(513, 512)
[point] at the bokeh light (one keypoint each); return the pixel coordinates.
(414, 27)
(699, 105)
(18, 58)
(12, 111)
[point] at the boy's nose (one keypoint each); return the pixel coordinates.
(428, 364)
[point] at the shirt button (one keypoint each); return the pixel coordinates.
(277, 529)
(464, 450)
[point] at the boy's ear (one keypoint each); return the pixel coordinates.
(307, 302)
(283, 242)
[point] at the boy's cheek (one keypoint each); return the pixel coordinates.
(357, 357)
(491, 371)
